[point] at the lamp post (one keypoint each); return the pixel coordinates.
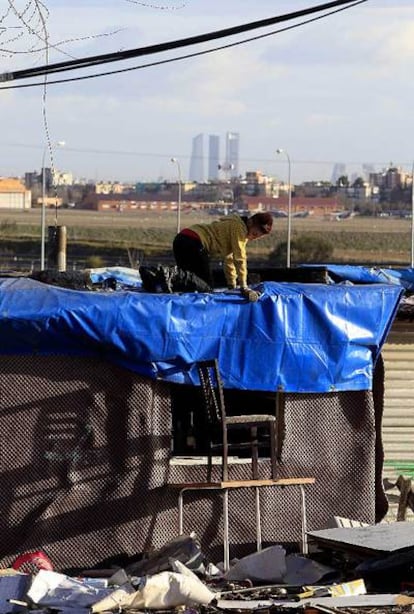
(412, 216)
(43, 210)
(177, 162)
(289, 228)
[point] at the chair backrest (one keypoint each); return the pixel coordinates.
(212, 389)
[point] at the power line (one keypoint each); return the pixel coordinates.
(187, 56)
(161, 47)
(148, 154)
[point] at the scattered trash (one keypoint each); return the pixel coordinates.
(30, 562)
(371, 540)
(355, 587)
(116, 600)
(169, 589)
(179, 576)
(13, 585)
(304, 570)
(268, 565)
(50, 588)
(185, 549)
(162, 591)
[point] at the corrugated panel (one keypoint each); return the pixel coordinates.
(398, 421)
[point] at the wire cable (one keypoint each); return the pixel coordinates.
(187, 56)
(168, 46)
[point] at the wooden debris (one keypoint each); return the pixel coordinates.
(406, 499)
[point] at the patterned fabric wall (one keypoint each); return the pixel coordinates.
(85, 466)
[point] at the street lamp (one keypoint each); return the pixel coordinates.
(43, 210)
(175, 161)
(289, 228)
(412, 216)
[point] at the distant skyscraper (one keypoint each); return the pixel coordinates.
(339, 170)
(197, 159)
(367, 169)
(213, 157)
(232, 153)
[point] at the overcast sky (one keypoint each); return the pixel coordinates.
(340, 89)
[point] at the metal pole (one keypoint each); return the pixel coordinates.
(412, 216)
(177, 162)
(43, 210)
(179, 199)
(289, 228)
(43, 214)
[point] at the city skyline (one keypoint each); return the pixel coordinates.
(228, 165)
(332, 170)
(335, 90)
(339, 170)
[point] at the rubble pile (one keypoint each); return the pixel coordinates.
(360, 569)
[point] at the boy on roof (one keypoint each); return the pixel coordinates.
(225, 238)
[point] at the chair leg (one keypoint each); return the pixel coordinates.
(255, 452)
(180, 512)
(226, 531)
(304, 527)
(273, 449)
(225, 457)
(209, 465)
(258, 521)
(226, 538)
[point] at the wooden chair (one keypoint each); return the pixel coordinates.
(218, 424)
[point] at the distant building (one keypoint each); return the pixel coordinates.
(109, 187)
(50, 201)
(213, 157)
(232, 153)
(339, 170)
(32, 179)
(301, 205)
(48, 177)
(197, 159)
(390, 178)
(14, 195)
(257, 184)
(356, 192)
(315, 188)
(61, 178)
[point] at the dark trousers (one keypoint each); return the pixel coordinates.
(190, 255)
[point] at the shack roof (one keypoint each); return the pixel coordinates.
(296, 338)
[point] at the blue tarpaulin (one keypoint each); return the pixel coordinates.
(361, 274)
(296, 338)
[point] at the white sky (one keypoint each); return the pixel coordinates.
(336, 90)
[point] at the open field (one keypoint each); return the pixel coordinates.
(378, 241)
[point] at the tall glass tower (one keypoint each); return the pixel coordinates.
(232, 153)
(197, 159)
(213, 157)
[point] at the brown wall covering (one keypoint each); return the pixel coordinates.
(85, 465)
